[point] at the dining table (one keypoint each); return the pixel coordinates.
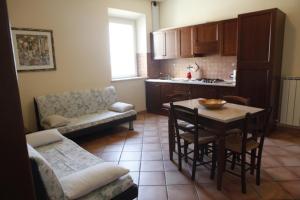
(221, 120)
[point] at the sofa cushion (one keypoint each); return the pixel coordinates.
(49, 178)
(66, 157)
(83, 182)
(75, 103)
(54, 121)
(95, 119)
(43, 137)
(121, 107)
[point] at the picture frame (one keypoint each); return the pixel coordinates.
(33, 49)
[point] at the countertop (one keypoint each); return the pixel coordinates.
(226, 83)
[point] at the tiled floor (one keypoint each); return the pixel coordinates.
(145, 152)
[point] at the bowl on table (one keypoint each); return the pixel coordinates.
(212, 103)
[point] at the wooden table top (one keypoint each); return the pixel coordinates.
(228, 113)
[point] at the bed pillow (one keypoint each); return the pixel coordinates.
(49, 178)
(121, 107)
(87, 180)
(44, 137)
(54, 121)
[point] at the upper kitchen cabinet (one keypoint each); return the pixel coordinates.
(185, 42)
(165, 44)
(228, 32)
(260, 38)
(206, 39)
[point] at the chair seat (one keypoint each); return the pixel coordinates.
(184, 124)
(204, 137)
(234, 143)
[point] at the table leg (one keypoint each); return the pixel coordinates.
(220, 160)
(171, 137)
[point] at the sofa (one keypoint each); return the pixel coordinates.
(62, 170)
(76, 113)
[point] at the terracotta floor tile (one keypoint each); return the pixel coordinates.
(132, 147)
(210, 192)
(151, 147)
(149, 140)
(134, 140)
(135, 177)
(281, 174)
(293, 149)
(271, 190)
(152, 193)
(152, 133)
(130, 156)
(234, 192)
(170, 166)
(182, 192)
(152, 178)
(111, 156)
(270, 161)
(290, 161)
(203, 176)
(112, 148)
(292, 187)
(157, 155)
(152, 166)
(164, 140)
(133, 166)
(177, 178)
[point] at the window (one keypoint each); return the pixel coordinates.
(122, 38)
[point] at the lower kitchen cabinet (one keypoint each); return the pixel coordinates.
(160, 93)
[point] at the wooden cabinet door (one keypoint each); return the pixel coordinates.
(229, 37)
(254, 42)
(153, 98)
(255, 84)
(159, 45)
(199, 91)
(224, 91)
(185, 46)
(206, 39)
(172, 48)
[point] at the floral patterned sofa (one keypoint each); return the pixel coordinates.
(55, 158)
(80, 112)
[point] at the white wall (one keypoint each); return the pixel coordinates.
(187, 12)
(81, 44)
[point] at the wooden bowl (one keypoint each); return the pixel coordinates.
(212, 103)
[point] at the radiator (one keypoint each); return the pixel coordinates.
(290, 102)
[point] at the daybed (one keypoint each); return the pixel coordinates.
(80, 112)
(62, 170)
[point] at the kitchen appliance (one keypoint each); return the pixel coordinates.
(208, 80)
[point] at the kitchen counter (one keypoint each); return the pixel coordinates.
(226, 83)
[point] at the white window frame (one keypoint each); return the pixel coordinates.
(133, 23)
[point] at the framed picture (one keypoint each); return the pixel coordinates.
(33, 49)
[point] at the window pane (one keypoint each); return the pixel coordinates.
(122, 50)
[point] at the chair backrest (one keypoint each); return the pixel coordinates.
(256, 126)
(237, 100)
(185, 115)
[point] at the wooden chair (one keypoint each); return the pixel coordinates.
(196, 135)
(237, 100)
(250, 142)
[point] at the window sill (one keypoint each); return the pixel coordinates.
(128, 79)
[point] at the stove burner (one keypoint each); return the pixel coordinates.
(208, 80)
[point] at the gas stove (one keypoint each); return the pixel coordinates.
(208, 80)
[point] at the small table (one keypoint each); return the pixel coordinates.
(230, 116)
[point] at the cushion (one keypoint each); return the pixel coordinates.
(121, 107)
(83, 182)
(43, 137)
(54, 121)
(50, 180)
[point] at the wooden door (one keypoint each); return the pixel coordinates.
(254, 42)
(229, 37)
(172, 49)
(255, 84)
(153, 98)
(185, 43)
(16, 179)
(206, 39)
(159, 45)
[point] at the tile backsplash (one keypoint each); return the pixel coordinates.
(210, 67)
